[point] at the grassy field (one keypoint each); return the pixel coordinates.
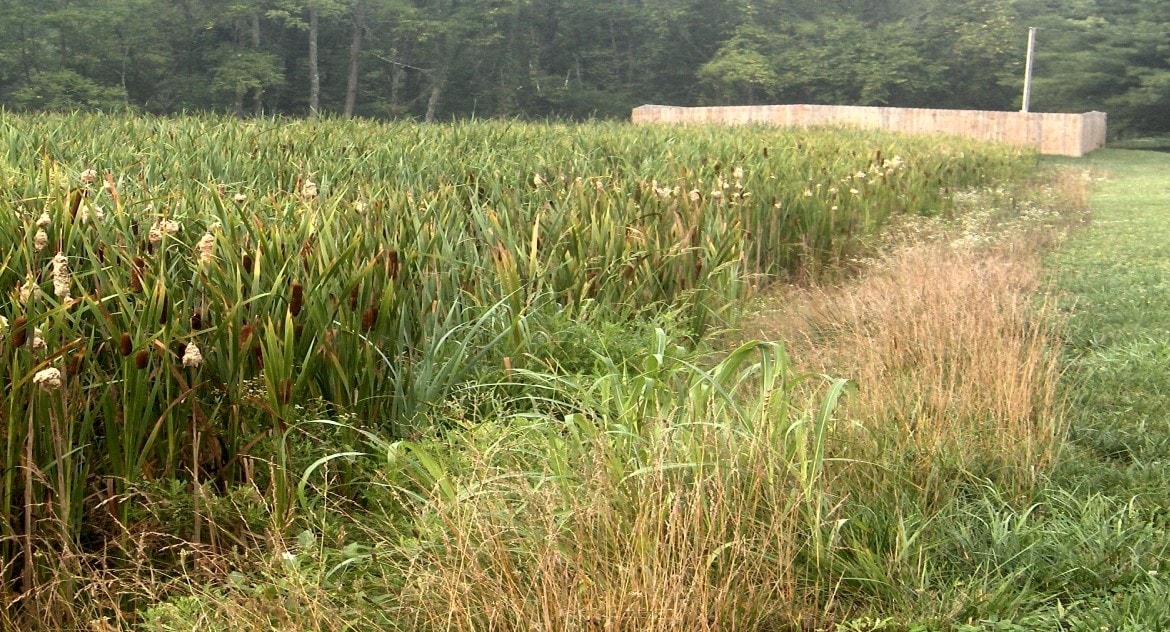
(342, 375)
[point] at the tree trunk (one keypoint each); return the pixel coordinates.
(437, 82)
(258, 107)
(355, 53)
(314, 71)
(396, 91)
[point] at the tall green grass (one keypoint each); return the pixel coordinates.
(216, 279)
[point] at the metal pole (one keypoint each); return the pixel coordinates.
(1028, 68)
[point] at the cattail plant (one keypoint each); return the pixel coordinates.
(379, 299)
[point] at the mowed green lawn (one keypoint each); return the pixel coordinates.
(1114, 280)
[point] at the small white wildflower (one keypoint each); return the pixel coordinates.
(854, 191)
(808, 193)
(240, 197)
(206, 247)
(40, 240)
(776, 204)
(48, 379)
(834, 208)
(860, 174)
(192, 357)
(832, 190)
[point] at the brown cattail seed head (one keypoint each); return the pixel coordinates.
(125, 345)
(369, 318)
(135, 281)
(19, 333)
(196, 321)
(142, 359)
(74, 366)
(75, 202)
(392, 268)
(296, 301)
(246, 262)
(245, 335)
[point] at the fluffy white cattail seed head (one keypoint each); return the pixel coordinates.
(309, 189)
(206, 247)
(29, 289)
(192, 357)
(62, 278)
(48, 379)
(161, 228)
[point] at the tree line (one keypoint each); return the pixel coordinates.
(438, 59)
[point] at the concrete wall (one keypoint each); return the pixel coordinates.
(1056, 134)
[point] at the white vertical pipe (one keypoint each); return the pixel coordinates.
(1028, 68)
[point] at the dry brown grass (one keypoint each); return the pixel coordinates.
(669, 548)
(951, 346)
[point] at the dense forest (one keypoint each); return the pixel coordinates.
(438, 59)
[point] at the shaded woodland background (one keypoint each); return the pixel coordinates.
(572, 59)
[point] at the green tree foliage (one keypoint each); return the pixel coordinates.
(1108, 56)
(438, 59)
